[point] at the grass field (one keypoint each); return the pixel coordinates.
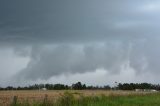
(78, 98)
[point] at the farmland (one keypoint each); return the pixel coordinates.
(78, 98)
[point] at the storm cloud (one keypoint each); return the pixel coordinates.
(76, 21)
(63, 59)
(58, 37)
(112, 56)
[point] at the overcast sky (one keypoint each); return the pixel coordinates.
(96, 42)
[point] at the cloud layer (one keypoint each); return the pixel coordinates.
(71, 37)
(60, 21)
(112, 56)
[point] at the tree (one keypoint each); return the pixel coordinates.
(78, 86)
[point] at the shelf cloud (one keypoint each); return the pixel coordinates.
(53, 38)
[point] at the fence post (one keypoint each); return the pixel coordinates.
(14, 102)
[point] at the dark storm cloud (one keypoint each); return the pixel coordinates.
(69, 36)
(112, 56)
(63, 59)
(72, 21)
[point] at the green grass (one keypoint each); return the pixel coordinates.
(131, 100)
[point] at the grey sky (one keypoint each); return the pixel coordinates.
(44, 39)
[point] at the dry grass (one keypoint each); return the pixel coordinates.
(6, 97)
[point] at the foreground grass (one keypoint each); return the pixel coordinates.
(113, 100)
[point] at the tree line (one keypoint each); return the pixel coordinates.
(133, 86)
(80, 86)
(76, 86)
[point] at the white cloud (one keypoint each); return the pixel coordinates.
(10, 64)
(153, 6)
